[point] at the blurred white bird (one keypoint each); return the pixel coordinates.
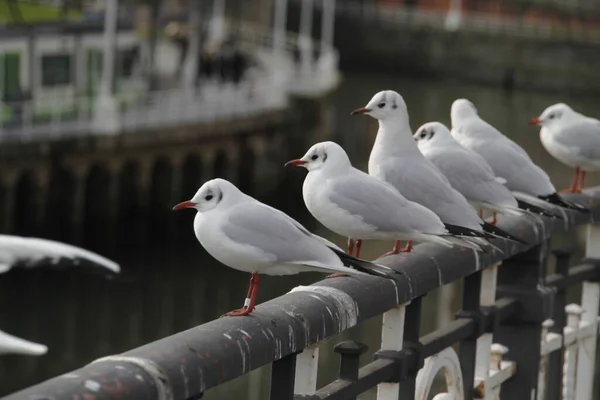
(396, 159)
(16, 252)
(10, 344)
(469, 173)
(247, 235)
(571, 138)
(507, 159)
(359, 206)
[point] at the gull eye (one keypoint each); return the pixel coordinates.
(551, 116)
(422, 135)
(314, 157)
(208, 197)
(381, 105)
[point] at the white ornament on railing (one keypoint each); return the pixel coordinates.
(574, 312)
(446, 360)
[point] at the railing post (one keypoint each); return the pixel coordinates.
(470, 350)
(590, 301)
(555, 361)
(392, 338)
(350, 352)
(574, 312)
(522, 277)
(307, 365)
(282, 378)
(412, 329)
(546, 326)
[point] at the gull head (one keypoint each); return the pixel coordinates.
(552, 115)
(325, 156)
(214, 193)
(462, 108)
(433, 133)
(385, 105)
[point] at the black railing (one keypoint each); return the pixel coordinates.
(186, 365)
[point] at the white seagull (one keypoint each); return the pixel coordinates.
(25, 252)
(396, 159)
(571, 138)
(359, 206)
(507, 159)
(469, 173)
(247, 235)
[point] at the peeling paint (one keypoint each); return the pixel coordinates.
(344, 304)
(245, 333)
(92, 385)
(292, 338)
(185, 380)
(243, 354)
(227, 336)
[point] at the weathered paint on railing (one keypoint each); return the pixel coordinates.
(185, 365)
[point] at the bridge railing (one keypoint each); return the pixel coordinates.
(515, 336)
(264, 88)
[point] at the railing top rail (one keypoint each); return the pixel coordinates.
(186, 364)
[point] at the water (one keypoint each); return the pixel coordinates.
(177, 286)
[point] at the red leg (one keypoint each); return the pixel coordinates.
(493, 221)
(579, 187)
(350, 245)
(250, 301)
(408, 247)
(358, 245)
(481, 213)
(397, 249)
(573, 187)
(338, 275)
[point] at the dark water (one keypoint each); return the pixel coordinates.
(176, 285)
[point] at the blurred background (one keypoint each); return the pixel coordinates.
(112, 111)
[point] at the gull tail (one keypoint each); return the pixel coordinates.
(471, 238)
(494, 231)
(527, 206)
(557, 200)
(364, 266)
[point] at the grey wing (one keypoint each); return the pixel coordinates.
(472, 176)
(258, 225)
(520, 172)
(304, 230)
(380, 205)
(582, 139)
(423, 183)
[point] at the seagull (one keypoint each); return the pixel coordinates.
(26, 252)
(396, 159)
(10, 344)
(359, 206)
(247, 235)
(506, 158)
(469, 173)
(571, 138)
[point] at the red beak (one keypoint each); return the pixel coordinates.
(361, 110)
(534, 121)
(295, 163)
(184, 204)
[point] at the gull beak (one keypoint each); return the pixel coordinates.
(361, 110)
(184, 204)
(295, 163)
(535, 121)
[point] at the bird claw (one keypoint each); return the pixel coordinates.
(336, 275)
(240, 312)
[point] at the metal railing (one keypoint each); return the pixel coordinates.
(516, 335)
